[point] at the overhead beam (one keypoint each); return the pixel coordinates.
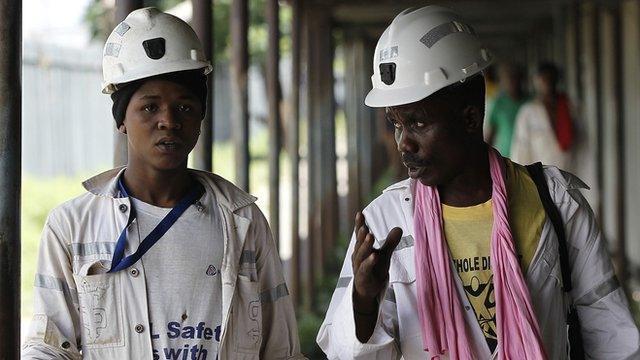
(473, 11)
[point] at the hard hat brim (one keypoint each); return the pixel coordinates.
(377, 98)
(145, 72)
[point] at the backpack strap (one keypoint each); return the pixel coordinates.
(574, 331)
(537, 175)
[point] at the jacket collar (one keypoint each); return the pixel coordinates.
(567, 179)
(401, 185)
(227, 194)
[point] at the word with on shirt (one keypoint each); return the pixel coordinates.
(186, 352)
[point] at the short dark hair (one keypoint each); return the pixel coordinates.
(549, 69)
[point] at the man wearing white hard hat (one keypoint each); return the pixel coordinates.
(474, 256)
(155, 260)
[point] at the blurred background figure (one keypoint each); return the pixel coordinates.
(502, 114)
(544, 128)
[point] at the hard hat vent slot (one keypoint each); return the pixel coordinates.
(122, 28)
(155, 48)
(112, 49)
(388, 73)
(434, 35)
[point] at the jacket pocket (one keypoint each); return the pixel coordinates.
(402, 268)
(247, 319)
(100, 302)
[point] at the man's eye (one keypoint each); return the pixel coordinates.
(419, 124)
(184, 108)
(150, 108)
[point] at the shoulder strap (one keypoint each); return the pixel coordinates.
(537, 175)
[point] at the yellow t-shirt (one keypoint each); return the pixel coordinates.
(468, 233)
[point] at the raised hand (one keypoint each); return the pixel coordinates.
(370, 266)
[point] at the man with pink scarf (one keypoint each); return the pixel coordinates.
(461, 261)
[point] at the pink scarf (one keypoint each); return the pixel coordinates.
(441, 316)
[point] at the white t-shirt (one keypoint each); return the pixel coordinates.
(183, 281)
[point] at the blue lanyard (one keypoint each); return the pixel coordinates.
(121, 262)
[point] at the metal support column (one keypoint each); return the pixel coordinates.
(10, 152)
(328, 191)
(629, 144)
(294, 144)
(120, 152)
(323, 208)
(621, 259)
(360, 119)
(273, 98)
(203, 25)
(239, 90)
(307, 265)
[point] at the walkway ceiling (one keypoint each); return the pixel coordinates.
(501, 23)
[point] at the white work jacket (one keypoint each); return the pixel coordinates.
(78, 314)
(608, 328)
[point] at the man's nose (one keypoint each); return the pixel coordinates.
(405, 143)
(169, 121)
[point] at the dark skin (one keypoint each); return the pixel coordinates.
(162, 124)
(441, 144)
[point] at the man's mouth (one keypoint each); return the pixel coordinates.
(168, 145)
(415, 170)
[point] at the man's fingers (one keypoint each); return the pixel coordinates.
(360, 223)
(363, 251)
(361, 231)
(368, 264)
(359, 220)
(393, 239)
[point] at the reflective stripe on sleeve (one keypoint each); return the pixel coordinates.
(52, 283)
(600, 291)
(84, 249)
(273, 294)
(343, 282)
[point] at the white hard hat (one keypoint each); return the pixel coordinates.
(148, 43)
(421, 52)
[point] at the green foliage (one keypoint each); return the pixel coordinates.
(100, 20)
(308, 325)
(309, 322)
(39, 197)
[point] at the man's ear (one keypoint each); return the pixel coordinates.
(122, 129)
(473, 119)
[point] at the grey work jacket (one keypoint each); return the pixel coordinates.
(78, 314)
